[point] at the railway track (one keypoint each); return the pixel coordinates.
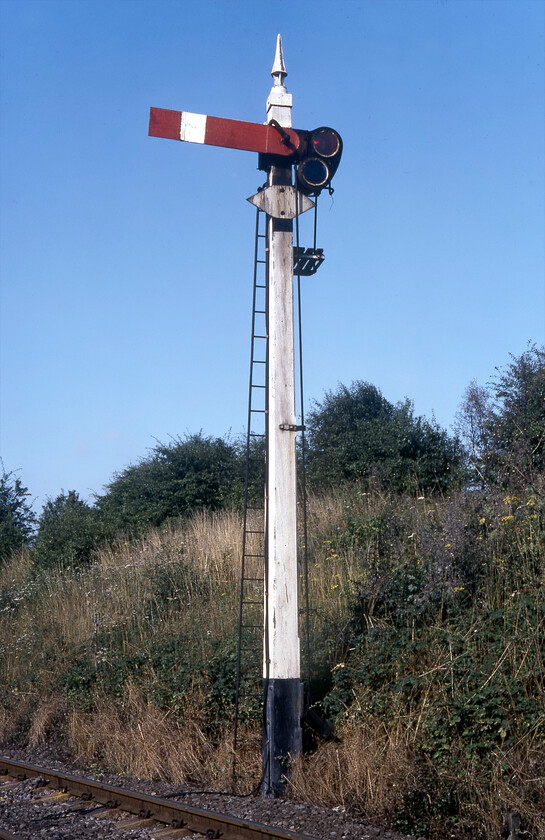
(182, 819)
(5, 835)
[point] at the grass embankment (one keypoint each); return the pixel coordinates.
(428, 636)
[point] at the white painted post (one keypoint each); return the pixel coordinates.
(283, 691)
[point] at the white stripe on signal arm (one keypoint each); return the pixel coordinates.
(193, 127)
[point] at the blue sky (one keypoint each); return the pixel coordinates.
(126, 261)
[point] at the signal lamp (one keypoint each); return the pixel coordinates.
(313, 174)
(325, 142)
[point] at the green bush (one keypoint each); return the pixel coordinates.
(177, 478)
(68, 531)
(356, 434)
(16, 515)
(503, 424)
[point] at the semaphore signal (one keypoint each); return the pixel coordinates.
(314, 156)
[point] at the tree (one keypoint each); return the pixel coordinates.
(503, 424)
(472, 425)
(357, 434)
(187, 474)
(16, 515)
(68, 531)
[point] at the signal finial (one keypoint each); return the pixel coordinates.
(279, 70)
(280, 101)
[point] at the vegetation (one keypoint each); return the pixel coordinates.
(356, 434)
(16, 515)
(504, 423)
(428, 631)
(427, 622)
(177, 478)
(68, 530)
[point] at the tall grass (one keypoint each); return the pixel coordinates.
(428, 643)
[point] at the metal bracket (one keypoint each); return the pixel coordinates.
(288, 427)
(286, 139)
(307, 261)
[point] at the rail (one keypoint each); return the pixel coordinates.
(5, 835)
(174, 814)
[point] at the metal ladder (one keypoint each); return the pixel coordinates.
(250, 649)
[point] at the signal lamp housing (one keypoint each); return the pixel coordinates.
(319, 156)
(316, 158)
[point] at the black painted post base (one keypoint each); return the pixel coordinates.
(282, 734)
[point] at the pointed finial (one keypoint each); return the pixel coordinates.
(280, 101)
(279, 71)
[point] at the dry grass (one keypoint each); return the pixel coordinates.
(64, 610)
(136, 738)
(15, 572)
(48, 713)
(367, 770)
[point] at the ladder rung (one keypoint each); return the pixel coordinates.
(253, 555)
(252, 602)
(260, 579)
(259, 386)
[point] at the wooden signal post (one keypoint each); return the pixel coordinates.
(280, 147)
(283, 689)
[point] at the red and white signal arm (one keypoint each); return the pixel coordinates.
(216, 131)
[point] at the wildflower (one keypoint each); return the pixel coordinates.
(507, 518)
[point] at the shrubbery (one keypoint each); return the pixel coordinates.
(355, 434)
(503, 424)
(68, 531)
(16, 515)
(187, 474)
(447, 633)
